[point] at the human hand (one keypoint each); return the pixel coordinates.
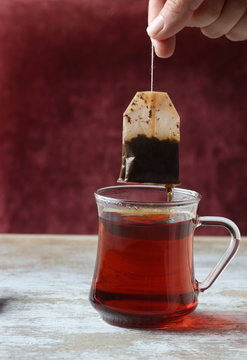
(215, 18)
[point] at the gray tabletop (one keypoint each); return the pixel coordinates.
(45, 313)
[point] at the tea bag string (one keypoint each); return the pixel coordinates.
(152, 68)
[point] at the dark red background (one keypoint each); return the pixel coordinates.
(68, 69)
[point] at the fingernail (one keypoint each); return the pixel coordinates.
(156, 26)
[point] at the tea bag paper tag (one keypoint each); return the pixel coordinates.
(150, 140)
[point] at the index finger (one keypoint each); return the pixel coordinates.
(172, 18)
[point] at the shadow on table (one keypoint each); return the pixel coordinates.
(4, 302)
(209, 322)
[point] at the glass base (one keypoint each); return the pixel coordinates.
(140, 321)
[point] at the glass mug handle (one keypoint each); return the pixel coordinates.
(229, 253)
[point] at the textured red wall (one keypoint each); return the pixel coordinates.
(68, 69)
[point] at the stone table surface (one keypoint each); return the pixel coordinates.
(45, 313)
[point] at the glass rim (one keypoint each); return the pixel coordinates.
(193, 196)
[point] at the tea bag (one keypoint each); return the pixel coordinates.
(150, 140)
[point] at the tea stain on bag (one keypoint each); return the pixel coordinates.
(151, 139)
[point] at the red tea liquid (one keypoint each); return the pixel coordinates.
(144, 275)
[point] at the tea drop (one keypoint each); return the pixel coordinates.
(169, 190)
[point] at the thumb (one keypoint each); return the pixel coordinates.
(172, 18)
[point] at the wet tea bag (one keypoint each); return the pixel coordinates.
(150, 140)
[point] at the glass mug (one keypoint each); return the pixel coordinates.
(144, 273)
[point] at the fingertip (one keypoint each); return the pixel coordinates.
(164, 48)
(210, 32)
(156, 26)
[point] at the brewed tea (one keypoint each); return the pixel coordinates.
(143, 278)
